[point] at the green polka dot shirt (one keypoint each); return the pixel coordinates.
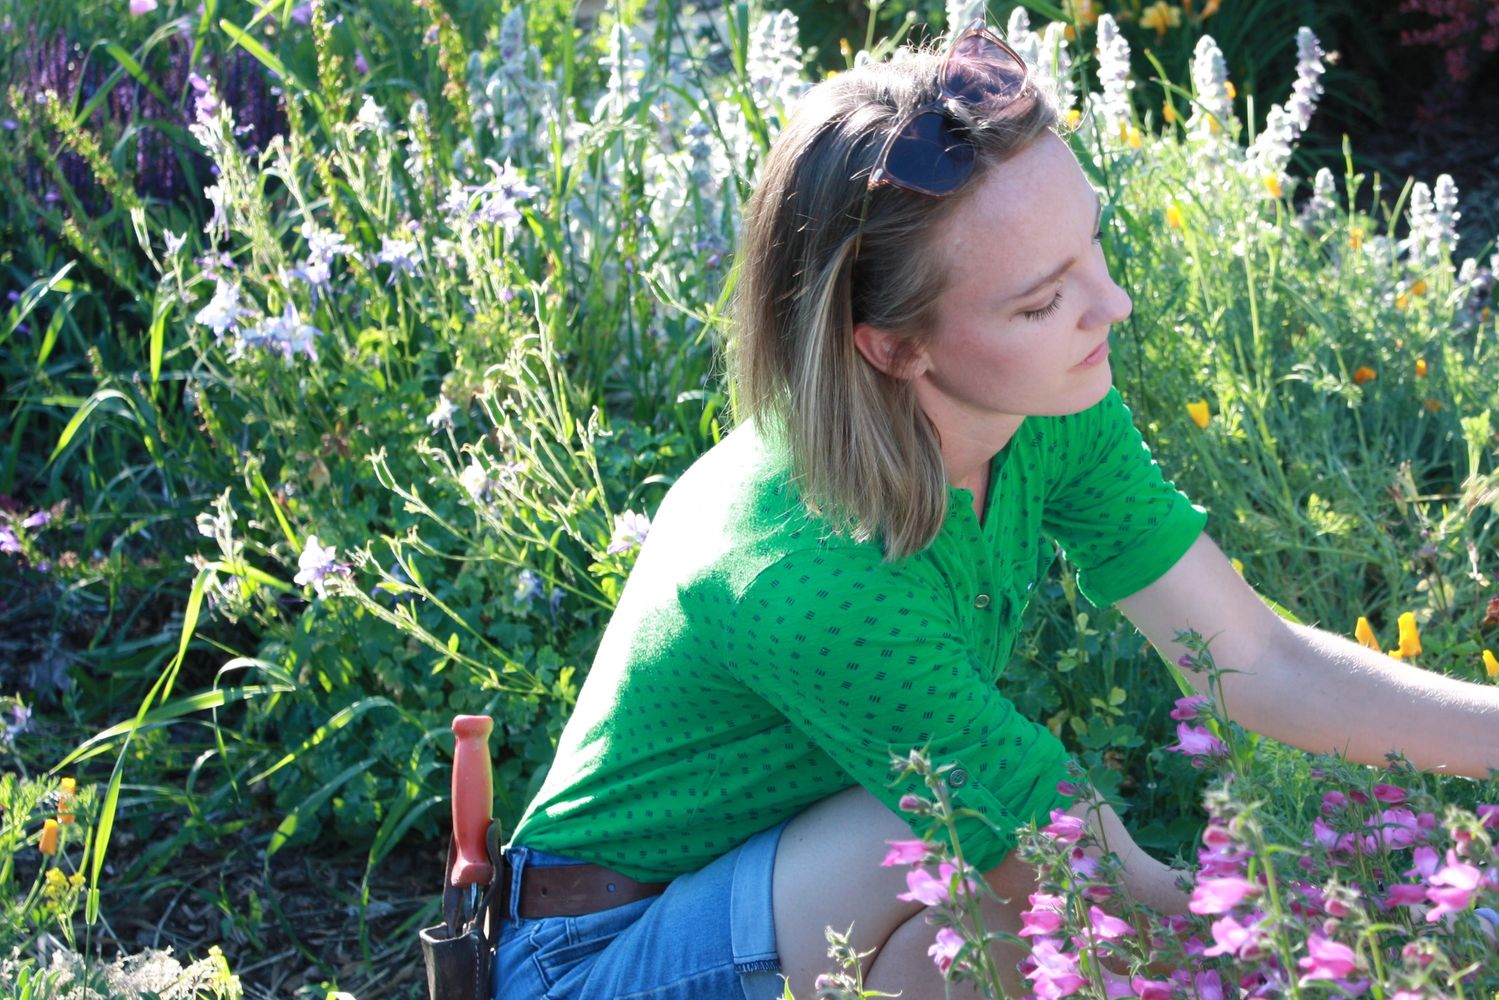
(757, 663)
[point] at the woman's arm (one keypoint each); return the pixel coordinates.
(1310, 688)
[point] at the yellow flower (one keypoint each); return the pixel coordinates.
(1073, 117)
(1410, 639)
(57, 884)
(1491, 665)
(1161, 16)
(1355, 239)
(48, 844)
(1238, 566)
(1198, 411)
(1364, 374)
(1168, 113)
(1419, 288)
(1420, 368)
(1228, 85)
(1403, 300)
(1174, 215)
(1131, 135)
(1365, 635)
(1082, 12)
(1272, 184)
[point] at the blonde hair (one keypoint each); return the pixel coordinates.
(819, 253)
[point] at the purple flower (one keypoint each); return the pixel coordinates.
(1406, 894)
(9, 543)
(1489, 816)
(1390, 795)
(949, 942)
(36, 520)
(630, 530)
(140, 7)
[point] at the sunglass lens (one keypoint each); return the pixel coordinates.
(927, 156)
(979, 70)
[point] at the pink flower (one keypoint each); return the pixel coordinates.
(1233, 938)
(1390, 795)
(1110, 928)
(1189, 708)
(1327, 960)
(912, 803)
(1406, 894)
(1055, 972)
(905, 852)
(1219, 895)
(1041, 922)
(1452, 888)
(140, 7)
(1151, 989)
(949, 943)
(1196, 741)
(1082, 863)
(1396, 828)
(925, 888)
(1426, 860)
(1209, 986)
(1065, 829)
(1332, 802)
(1325, 835)
(1489, 815)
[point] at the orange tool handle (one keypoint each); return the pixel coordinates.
(473, 799)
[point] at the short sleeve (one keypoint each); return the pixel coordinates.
(872, 667)
(1116, 517)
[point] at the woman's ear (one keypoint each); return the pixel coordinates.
(890, 353)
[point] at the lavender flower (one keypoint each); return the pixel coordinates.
(37, 520)
(630, 530)
(1271, 149)
(316, 563)
(173, 241)
(223, 311)
(402, 256)
(9, 543)
(1433, 222)
(774, 62)
(371, 116)
(528, 587)
(442, 414)
(286, 333)
(1323, 205)
(498, 201)
(1212, 114)
(1308, 87)
(20, 721)
(1114, 107)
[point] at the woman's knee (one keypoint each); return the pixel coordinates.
(828, 874)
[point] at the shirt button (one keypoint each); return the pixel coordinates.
(957, 778)
(981, 601)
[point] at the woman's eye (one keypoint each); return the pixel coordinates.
(1046, 310)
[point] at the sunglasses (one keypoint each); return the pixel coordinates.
(930, 151)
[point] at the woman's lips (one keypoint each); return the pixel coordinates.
(1099, 353)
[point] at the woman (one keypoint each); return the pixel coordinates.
(922, 379)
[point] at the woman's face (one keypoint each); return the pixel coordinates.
(1023, 327)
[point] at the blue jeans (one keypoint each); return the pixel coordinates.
(709, 936)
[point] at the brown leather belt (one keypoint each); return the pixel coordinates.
(575, 890)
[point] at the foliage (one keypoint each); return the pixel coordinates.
(355, 424)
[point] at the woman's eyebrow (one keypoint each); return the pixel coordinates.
(1054, 275)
